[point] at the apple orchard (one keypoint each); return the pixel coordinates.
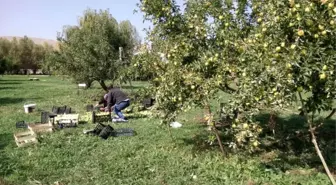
(266, 55)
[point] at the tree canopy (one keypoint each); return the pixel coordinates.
(89, 51)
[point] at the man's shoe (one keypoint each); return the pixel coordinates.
(119, 120)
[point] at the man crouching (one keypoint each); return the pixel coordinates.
(118, 101)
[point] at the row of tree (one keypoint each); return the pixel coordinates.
(22, 54)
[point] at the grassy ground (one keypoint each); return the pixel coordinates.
(150, 157)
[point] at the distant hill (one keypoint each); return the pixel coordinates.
(36, 40)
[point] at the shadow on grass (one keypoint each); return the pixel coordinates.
(199, 141)
(7, 101)
(6, 164)
(5, 139)
(4, 88)
(9, 83)
(82, 122)
(3, 80)
(292, 140)
(106, 118)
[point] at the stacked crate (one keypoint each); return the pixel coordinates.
(30, 137)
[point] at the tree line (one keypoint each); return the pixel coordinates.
(98, 48)
(20, 54)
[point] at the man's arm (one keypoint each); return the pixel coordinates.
(109, 102)
(101, 101)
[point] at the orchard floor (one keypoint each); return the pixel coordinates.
(153, 156)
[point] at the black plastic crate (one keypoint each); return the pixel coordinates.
(21, 124)
(67, 110)
(89, 108)
(45, 117)
(106, 132)
(123, 132)
(61, 110)
(55, 110)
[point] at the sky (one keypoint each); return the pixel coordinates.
(44, 18)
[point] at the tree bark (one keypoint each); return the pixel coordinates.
(213, 128)
(312, 130)
(219, 140)
(318, 151)
(103, 85)
(130, 82)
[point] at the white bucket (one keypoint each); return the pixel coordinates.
(29, 108)
(175, 124)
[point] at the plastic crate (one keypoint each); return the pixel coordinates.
(44, 117)
(123, 132)
(54, 109)
(89, 108)
(67, 110)
(106, 132)
(100, 117)
(21, 124)
(67, 120)
(62, 110)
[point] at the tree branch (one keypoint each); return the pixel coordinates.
(303, 107)
(328, 117)
(213, 128)
(219, 140)
(331, 114)
(103, 85)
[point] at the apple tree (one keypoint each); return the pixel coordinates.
(270, 51)
(90, 50)
(290, 52)
(201, 52)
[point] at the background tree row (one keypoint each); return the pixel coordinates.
(23, 54)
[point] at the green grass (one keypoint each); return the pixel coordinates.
(150, 157)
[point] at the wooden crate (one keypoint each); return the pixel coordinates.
(25, 138)
(102, 114)
(40, 128)
(67, 119)
(100, 117)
